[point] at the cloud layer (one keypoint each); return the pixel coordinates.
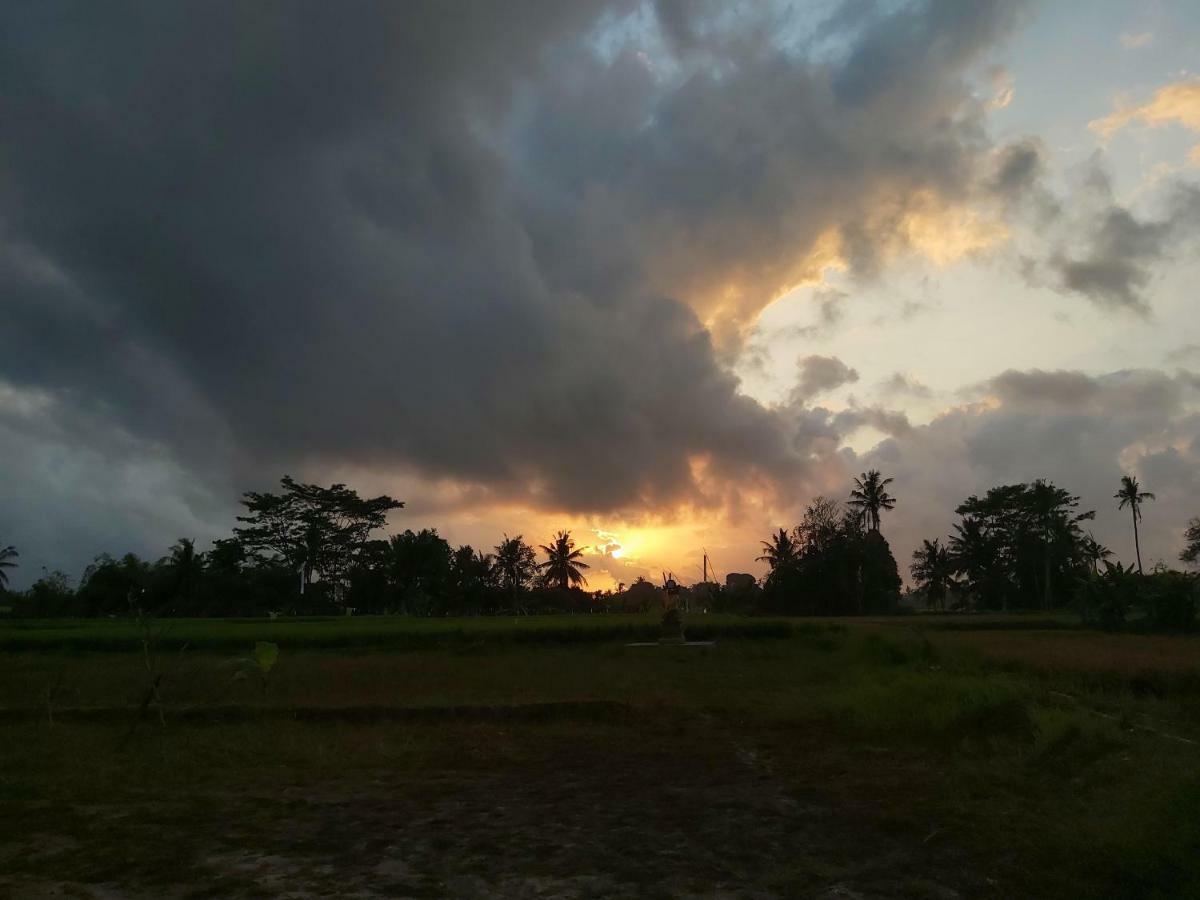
(500, 256)
(495, 244)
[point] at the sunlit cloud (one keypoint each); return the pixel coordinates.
(1173, 104)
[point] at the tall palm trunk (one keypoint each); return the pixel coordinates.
(1137, 548)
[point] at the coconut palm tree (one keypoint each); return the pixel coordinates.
(870, 496)
(562, 568)
(7, 555)
(1094, 551)
(515, 564)
(1132, 495)
(780, 551)
(933, 571)
(187, 566)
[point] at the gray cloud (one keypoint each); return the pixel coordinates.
(891, 422)
(1184, 353)
(903, 385)
(1099, 249)
(1019, 170)
(818, 374)
(479, 242)
(1080, 431)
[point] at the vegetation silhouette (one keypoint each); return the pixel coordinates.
(1095, 551)
(829, 565)
(780, 551)
(870, 497)
(1020, 545)
(7, 556)
(563, 568)
(311, 550)
(314, 529)
(515, 568)
(933, 571)
(1191, 542)
(1133, 496)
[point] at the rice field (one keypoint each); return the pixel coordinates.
(545, 757)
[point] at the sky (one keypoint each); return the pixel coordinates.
(656, 273)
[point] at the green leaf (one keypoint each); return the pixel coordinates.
(265, 654)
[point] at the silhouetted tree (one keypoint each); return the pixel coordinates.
(314, 529)
(779, 552)
(562, 569)
(7, 556)
(1133, 496)
(870, 497)
(829, 565)
(878, 575)
(474, 578)
(111, 586)
(238, 581)
(420, 570)
(1020, 544)
(933, 571)
(186, 567)
(1191, 542)
(50, 595)
(1055, 525)
(515, 567)
(1095, 552)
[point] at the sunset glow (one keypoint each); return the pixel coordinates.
(662, 293)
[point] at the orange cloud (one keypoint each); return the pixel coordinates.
(1172, 104)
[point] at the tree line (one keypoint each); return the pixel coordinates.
(309, 549)
(1024, 546)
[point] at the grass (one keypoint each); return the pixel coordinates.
(368, 632)
(875, 757)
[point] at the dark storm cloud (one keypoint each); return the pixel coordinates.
(455, 237)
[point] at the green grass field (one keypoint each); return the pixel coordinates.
(544, 757)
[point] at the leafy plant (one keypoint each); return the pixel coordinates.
(1104, 600)
(1170, 599)
(260, 664)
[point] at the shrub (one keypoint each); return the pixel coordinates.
(1170, 600)
(1104, 600)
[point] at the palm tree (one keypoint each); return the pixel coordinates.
(563, 566)
(1132, 495)
(1094, 551)
(7, 555)
(933, 570)
(780, 551)
(871, 497)
(187, 566)
(515, 563)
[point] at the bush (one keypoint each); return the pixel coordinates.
(1170, 600)
(1104, 600)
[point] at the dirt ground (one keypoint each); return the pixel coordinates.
(616, 810)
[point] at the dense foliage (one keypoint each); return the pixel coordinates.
(1021, 546)
(829, 565)
(311, 550)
